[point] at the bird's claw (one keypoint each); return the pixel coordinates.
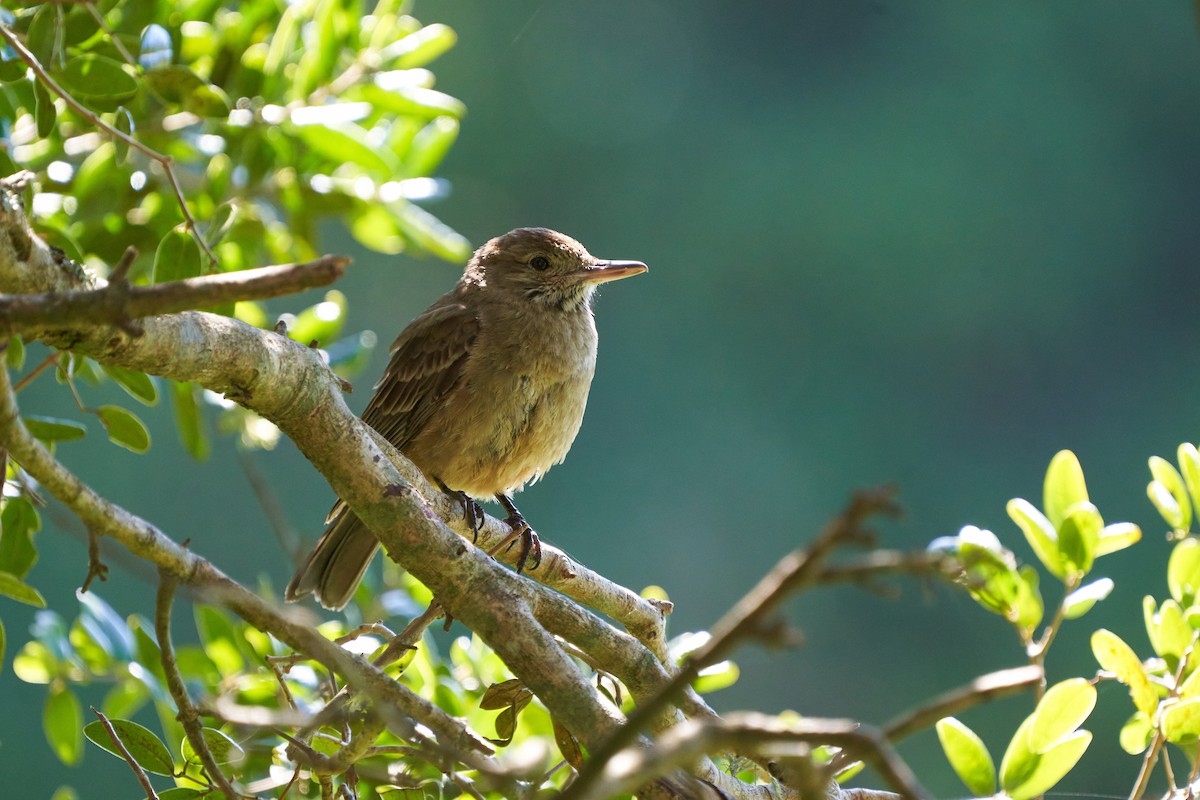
(473, 514)
(530, 545)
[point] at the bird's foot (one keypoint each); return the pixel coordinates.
(531, 547)
(472, 512)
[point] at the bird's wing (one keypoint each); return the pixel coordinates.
(427, 362)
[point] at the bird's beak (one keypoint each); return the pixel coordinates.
(605, 271)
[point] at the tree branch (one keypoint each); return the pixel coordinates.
(117, 303)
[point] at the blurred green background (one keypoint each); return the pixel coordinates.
(920, 242)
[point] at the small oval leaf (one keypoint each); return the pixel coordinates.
(968, 756)
(124, 428)
(146, 749)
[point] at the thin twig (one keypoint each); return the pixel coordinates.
(983, 689)
(750, 732)
(167, 163)
(744, 620)
(33, 373)
(142, 777)
(118, 302)
(188, 716)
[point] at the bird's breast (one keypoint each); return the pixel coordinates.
(517, 408)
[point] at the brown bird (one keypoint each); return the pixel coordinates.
(484, 392)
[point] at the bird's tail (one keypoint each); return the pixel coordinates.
(337, 563)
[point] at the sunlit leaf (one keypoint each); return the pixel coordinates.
(1039, 532)
(224, 750)
(1080, 601)
(1114, 655)
(1064, 487)
(1063, 709)
(143, 745)
(968, 756)
(1183, 571)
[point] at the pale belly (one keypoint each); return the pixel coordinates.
(496, 436)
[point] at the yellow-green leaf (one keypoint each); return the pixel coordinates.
(1064, 487)
(1063, 709)
(968, 756)
(1038, 532)
(1114, 655)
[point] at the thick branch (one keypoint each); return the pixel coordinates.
(117, 303)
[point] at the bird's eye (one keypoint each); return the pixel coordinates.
(539, 263)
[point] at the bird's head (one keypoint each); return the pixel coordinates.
(539, 265)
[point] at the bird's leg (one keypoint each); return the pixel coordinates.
(530, 546)
(472, 511)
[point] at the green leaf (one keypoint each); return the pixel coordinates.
(968, 756)
(44, 111)
(138, 384)
(17, 589)
(1189, 466)
(414, 101)
(62, 717)
(419, 47)
(98, 81)
(1030, 606)
(189, 422)
(177, 257)
(1136, 734)
(431, 233)
(1062, 710)
(1064, 487)
(224, 750)
(1170, 632)
(144, 747)
(1039, 532)
(106, 626)
(54, 429)
(1183, 571)
(183, 793)
(1178, 511)
(1080, 601)
(719, 676)
(322, 322)
(1117, 536)
(343, 142)
(42, 38)
(19, 521)
(1051, 767)
(1114, 655)
(430, 145)
(1180, 721)
(1078, 536)
(12, 69)
(124, 124)
(14, 355)
(124, 428)
(179, 86)
(220, 639)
